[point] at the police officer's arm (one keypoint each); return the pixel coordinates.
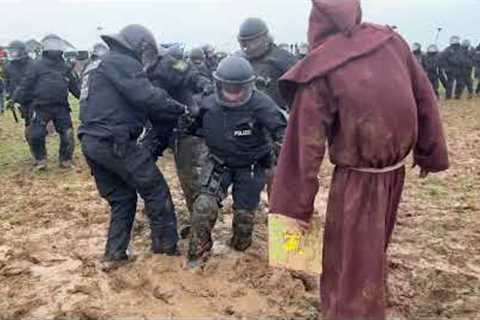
(197, 82)
(131, 80)
(283, 61)
(23, 93)
(8, 82)
(271, 117)
(74, 84)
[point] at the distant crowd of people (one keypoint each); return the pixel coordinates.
(455, 68)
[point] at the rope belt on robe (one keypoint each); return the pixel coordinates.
(381, 170)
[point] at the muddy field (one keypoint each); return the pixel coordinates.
(53, 226)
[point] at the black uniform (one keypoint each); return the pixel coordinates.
(203, 69)
(269, 68)
(431, 64)
(418, 54)
(116, 101)
(14, 72)
(239, 142)
(453, 62)
(468, 64)
(476, 60)
(47, 84)
(2, 92)
(211, 64)
(182, 82)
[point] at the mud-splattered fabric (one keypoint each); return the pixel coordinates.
(361, 91)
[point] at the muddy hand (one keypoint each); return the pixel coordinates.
(304, 226)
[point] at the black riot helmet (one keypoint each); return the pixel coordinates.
(455, 42)
(176, 51)
(54, 43)
(197, 55)
(254, 37)
(209, 51)
(16, 51)
(432, 49)
(53, 47)
(99, 50)
(138, 40)
(466, 44)
(416, 47)
(235, 81)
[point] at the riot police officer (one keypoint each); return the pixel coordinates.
(268, 60)
(239, 123)
(468, 64)
(211, 60)
(116, 101)
(476, 59)
(269, 63)
(47, 83)
(183, 82)
(417, 52)
(302, 50)
(431, 64)
(451, 61)
(176, 51)
(14, 70)
(198, 60)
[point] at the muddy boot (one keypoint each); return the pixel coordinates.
(159, 248)
(243, 222)
(113, 263)
(40, 165)
(67, 164)
(198, 252)
(205, 211)
(470, 96)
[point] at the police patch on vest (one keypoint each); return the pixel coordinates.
(243, 133)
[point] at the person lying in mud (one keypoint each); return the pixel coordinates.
(243, 127)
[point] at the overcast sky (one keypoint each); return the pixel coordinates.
(196, 22)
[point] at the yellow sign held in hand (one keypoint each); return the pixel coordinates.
(290, 248)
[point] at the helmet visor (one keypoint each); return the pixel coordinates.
(233, 95)
(54, 44)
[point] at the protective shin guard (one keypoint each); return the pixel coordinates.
(243, 223)
(204, 217)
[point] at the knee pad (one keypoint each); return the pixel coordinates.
(205, 210)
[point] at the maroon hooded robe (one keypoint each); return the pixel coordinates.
(361, 91)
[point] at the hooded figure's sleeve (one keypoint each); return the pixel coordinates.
(431, 149)
(296, 178)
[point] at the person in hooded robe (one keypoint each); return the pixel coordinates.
(361, 90)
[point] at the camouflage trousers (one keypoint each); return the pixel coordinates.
(191, 154)
(247, 185)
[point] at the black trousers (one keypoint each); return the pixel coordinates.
(120, 173)
(40, 116)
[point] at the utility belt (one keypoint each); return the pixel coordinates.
(215, 171)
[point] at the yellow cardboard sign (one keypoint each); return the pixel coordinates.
(289, 248)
